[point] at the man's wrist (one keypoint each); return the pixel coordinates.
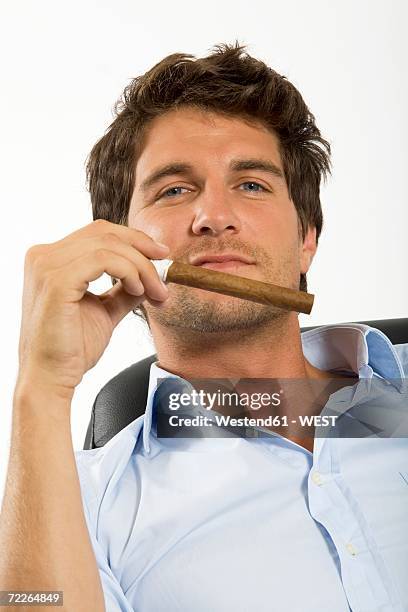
(33, 389)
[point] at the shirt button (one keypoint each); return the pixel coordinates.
(351, 549)
(317, 478)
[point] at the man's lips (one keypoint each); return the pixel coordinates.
(223, 261)
(229, 264)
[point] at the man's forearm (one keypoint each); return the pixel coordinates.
(44, 540)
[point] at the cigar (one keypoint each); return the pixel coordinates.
(237, 286)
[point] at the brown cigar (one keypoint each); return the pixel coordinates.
(230, 284)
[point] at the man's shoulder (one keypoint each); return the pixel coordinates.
(98, 466)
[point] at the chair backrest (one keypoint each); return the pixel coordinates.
(124, 397)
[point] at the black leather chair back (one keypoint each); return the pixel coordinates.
(124, 397)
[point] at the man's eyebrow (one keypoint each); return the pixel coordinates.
(163, 171)
(254, 163)
(236, 165)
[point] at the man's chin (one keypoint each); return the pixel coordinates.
(220, 314)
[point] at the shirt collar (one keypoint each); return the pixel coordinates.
(348, 347)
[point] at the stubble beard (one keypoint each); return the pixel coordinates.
(197, 310)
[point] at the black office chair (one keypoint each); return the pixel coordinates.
(124, 397)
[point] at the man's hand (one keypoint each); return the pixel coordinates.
(65, 328)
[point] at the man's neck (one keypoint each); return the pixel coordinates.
(272, 352)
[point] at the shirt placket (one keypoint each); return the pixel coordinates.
(365, 577)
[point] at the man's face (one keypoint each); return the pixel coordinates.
(227, 195)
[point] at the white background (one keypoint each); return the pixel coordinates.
(63, 65)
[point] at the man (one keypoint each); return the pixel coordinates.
(220, 160)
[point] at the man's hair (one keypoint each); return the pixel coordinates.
(229, 82)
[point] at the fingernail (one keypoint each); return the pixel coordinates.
(140, 286)
(162, 246)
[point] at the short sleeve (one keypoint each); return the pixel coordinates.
(115, 599)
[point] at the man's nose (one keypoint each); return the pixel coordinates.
(214, 213)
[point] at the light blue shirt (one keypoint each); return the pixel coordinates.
(256, 524)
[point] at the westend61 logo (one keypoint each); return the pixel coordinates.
(339, 407)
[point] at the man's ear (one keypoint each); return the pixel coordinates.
(308, 249)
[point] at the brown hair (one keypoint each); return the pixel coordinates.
(228, 81)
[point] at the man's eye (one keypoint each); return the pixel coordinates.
(171, 192)
(175, 191)
(253, 183)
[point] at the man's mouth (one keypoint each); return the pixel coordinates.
(222, 262)
(230, 264)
